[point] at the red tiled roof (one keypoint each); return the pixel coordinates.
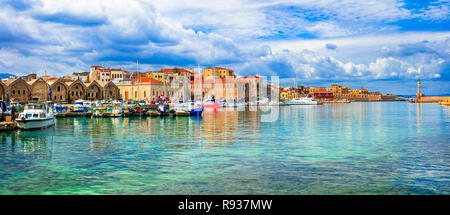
(116, 69)
(173, 70)
(218, 67)
(95, 66)
(146, 80)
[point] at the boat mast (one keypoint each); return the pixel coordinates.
(139, 79)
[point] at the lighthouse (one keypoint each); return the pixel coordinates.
(419, 95)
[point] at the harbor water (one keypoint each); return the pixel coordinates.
(349, 148)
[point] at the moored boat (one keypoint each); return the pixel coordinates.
(36, 116)
(302, 101)
(196, 109)
(79, 106)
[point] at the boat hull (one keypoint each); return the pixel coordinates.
(35, 124)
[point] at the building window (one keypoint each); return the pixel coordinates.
(14, 91)
(58, 89)
(18, 92)
(23, 92)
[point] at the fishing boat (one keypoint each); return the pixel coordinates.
(36, 116)
(79, 106)
(302, 101)
(163, 110)
(115, 109)
(58, 108)
(98, 111)
(196, 109)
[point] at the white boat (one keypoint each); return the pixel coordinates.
(116, 109)
(36, 116)
(302, 101)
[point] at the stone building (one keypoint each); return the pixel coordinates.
(94, 91)
(18, 90)
(94, 73)
(3, 90)
(59, 91)
(111, 91)
(77, 90)
(29, 77)
(83, 76)
(39, 89)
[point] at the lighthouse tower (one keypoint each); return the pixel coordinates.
(419, 95)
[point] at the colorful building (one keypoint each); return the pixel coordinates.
(143, 88)
(219, 72)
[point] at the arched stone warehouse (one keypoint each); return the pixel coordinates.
(19, 90)
(94, 91)
(39, 90)
(112, 92)
(77, 90)
(59, 91)
(3, 90)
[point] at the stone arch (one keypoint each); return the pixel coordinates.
(3, 91)
(59, 91)
(77, 90)
(94, 91)
(111, 91)
(19, 90)
(39, 90)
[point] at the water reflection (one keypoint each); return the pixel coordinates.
(37, 145)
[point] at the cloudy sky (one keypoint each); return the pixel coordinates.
(382, 45)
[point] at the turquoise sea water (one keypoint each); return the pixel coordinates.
(356, 148)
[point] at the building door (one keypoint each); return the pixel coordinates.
(126, 95)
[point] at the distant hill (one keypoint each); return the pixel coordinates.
(6, 75)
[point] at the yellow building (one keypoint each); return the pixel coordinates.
(118, 74)
(143, 88)
(219, 72)
(360, 91)
(156, 75)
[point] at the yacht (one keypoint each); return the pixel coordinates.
(302, 101)
(36, 116)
